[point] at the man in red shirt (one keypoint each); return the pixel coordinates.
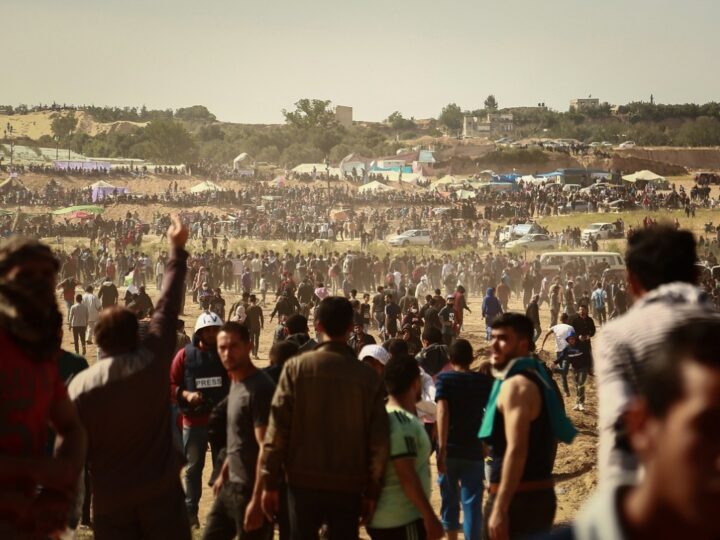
(38, 491)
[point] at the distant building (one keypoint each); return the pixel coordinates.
(583, 104)
(490, 125)
(344, 116)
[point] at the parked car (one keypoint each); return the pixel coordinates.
(532, 241)
(601, 231)
(627, 144)
(576, 206)
(412, 237)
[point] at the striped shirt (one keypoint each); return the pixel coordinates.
(625, 345)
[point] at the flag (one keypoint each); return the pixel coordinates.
(129, 278)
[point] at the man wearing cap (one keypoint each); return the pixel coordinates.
(199, 382)
(375, 356)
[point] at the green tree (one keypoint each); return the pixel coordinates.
(196, 113)
(310, 113)
(63, 125)
(491, 103)
(169, 142)
(298, 153)
(399, 123)
(451, 117)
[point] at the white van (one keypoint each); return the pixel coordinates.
(553, 262)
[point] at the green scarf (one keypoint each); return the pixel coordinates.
(560, 423)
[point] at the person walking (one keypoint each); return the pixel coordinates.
(236, 510)
(598, 300)
(330, 441)
(94, 306)
(135, 465)
(461, 396)
(403, 508)
(491, 308)
(255, 322)
(199, 382)
(523, 421)
(78, 322)
(560, 331)
(108, 293)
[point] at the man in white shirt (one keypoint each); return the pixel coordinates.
(159, 271)
(94, 306)
(561, 332)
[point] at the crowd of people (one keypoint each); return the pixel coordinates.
(341, 428)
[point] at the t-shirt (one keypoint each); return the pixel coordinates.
(248, 407)
(408, 438)
(447, 315)
(28, 390)
(392, 311)
(466, 393)
(561, 332)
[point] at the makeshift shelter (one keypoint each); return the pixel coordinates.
(239, 161)
(374, 186)
(12, 184)
(644, 177)
(464, 194)
(205, 186)
(102, 189)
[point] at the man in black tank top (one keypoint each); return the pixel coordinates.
(522, 500)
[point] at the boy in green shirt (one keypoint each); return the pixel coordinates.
(403, 510)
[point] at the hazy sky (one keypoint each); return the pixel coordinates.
(247, 60)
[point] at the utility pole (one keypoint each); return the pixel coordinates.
(8, 135)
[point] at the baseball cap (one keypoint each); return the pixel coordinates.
(571, 333)
(376, 352)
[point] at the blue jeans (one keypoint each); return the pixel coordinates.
(195, 443)
(462, 484)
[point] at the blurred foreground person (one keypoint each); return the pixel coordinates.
(404, 510)
(328, 434)
(672, 426)
(661, 278)
(123, 403)
(38, 492)
(236, 510)
(523, 422)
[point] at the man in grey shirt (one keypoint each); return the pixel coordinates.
(237, 510)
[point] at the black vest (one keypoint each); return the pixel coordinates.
(204, 373)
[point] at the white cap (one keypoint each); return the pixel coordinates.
(206, 319)
(376, 352)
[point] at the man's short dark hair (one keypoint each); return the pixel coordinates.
(400, 373)
(396, 347)
(297, 324)
(335, 314)
(282, 351)
(661, 383)
(661, 254)
(116, 331)
(461, 353)
(432, 334)
(240, 330)
(520, 324)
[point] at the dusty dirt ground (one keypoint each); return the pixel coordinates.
(575, 471)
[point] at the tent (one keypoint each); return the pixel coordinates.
(238, 161)
(12, 184)
(464, 194)
(446, 180)
(644, 177)
(205, 186)
(374, 186)
(102, 189)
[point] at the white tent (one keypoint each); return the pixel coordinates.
(238, 161)
(374, 186)
(464, 194)
(207, 185)
(317, 168)
(644, 176)
(101, 184)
